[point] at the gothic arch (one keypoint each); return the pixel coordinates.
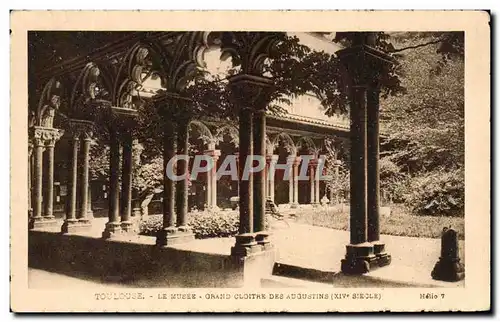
(205, 133)
(287, 139)
(229, 129)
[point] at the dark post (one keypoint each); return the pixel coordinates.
(259, 184)
(449, 268)
(113, 225)
(71, 210)
(126, 198)
(182, 169)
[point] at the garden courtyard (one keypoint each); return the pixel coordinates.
(309, 243)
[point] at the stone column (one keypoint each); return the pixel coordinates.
(296, 164)
(363, 66)
(30, 184)
(312, 182)
(37, 202)
(71, 223)
(48, 196)
(259, 184)
(289, 163)
(84, 180)
(317, 195)
(126, 196)
(245, 184)
(249, 93)
(212, 178)
(113, 226)
(182, 169)
(166, 235)
(373, 177)
(272, 160)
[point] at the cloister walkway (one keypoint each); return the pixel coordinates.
(304, 248)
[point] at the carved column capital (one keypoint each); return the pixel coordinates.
(44, 136)
(251, 92)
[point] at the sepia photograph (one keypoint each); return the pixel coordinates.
(255, 167)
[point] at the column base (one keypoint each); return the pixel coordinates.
(127, 226)
(448, 270)
(74, 226)
(245, 245)
(383, 258)
(294, 205)
(90, 215)
(112, 229)
(262, 239)
(359, 259)
(173, 236)
(42, 222)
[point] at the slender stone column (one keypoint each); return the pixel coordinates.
(245, 184)
(312, 183)
(214, 179)
(291, 181)
(113, 225)
(30, 184)
(208, 191)
(84, 180)
(126, 197)
(71, 220)
(317, 196)
(363, 66)
(359, 254)
(49, 183)
(165, 235)
(373, 177)
(273, 159)
(296, 182)
(182, 169)
(37, 202)
(259, 184)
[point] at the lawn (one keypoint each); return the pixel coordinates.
(398, 223)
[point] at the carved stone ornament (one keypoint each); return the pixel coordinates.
(249, 91)
(81, 129)
(45, 136)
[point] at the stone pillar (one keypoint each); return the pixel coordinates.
(449, 268)
(272, 160)
(84, 179)
(245, 184)
(38, 180)
(43, 137)
(90, 212)
(30, 184)
(126, 196)
(211, 195)
(363, 67)
(113, 226)
(182, 170)
(259, 184)
(373, 177)
(48, 196)
(249, 93)
(289, 163)
(312, 182)
(70, 223)
(165, 236)
(296, 164)
(317, 195)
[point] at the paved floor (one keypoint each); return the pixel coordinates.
(304, 246)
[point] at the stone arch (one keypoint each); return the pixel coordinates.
(229, 129)
(287, 139)
(308, 143)
(205, 134)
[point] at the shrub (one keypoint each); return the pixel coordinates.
(437, 194)
(206, 224)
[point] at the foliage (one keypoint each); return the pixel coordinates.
(438, 193)
(203, 224)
